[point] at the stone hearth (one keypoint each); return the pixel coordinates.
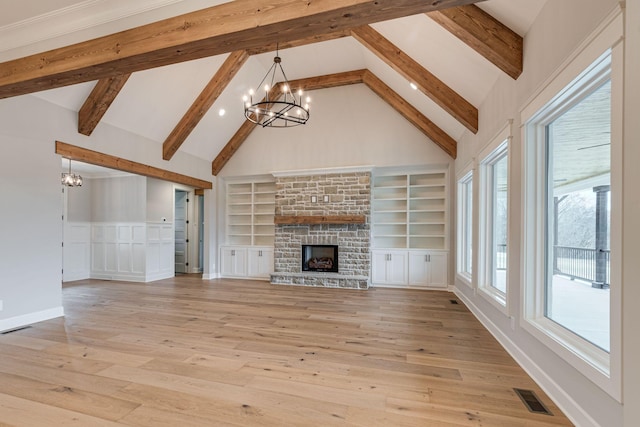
(330, 194)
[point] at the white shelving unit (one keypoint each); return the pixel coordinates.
(250, 212)
(250, 231)
(410, 224)
(410, 211)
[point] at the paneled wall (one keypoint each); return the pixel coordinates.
(136, 252)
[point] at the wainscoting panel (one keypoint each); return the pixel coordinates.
(118, 251)
(159, 251)
(76, 251)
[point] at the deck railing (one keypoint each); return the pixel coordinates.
(576, 263)
(580, 263)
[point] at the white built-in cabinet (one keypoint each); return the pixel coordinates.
(389, 267)
(428, 269)
(248, 262)
(250, 229)
(410, 228)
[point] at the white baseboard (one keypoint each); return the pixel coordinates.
(571, 409)
(159, 276)
(72, 277)
(28, 319)
(211, 276)
(121, 277)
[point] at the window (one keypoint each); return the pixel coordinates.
(465, 228)
(570, 203)
(578, 180)
(494, 201)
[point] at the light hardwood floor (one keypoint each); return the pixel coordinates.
(187, 352)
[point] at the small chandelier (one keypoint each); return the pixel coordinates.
(280, 106)
(71, 179)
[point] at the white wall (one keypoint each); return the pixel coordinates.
(30, 246)
(119, 199)
(556, 33)
(31, 227)
(159, 203)
(349, 126)
(79, 202)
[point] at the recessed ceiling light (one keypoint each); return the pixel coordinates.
(222, 112)
(413, 86)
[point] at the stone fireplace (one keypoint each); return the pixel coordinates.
(316, 205)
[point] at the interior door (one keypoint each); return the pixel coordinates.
(180, 227)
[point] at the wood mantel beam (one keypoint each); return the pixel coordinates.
(319, 219)
(99, 101)
(108, 161)
(485, 34)
(430, 85)
(409, 112)
(437, 135)
(231, 26)
(203, 103)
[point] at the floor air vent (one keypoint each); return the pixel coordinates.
(453, 301)
(532, 402)
(14, 330)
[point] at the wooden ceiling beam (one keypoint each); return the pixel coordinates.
(409, 112)
(96, 158)
(231, 26)
(203, 103)
(430, 85)
(437, 135)
(287, 44)
(99, 101)
(485, 34)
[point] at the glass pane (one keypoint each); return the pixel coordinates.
(499, 237)
(578, 218)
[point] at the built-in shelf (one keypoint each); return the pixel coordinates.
(409, 210)
(319, 219)
(250, 211)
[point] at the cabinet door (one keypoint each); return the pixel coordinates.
(438, 277)
(397, 268)
(233, 262)
(260, 262)
(379, 267)
(419, 269)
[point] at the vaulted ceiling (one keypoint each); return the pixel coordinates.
(169, 81)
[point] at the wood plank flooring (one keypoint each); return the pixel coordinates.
(187, 352)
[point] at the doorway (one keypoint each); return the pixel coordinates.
(181, 231)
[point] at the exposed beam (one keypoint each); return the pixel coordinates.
(429, 84)
(99, 101)
(231, 26)
(96, 158)
(203, 103)
(415, 117)
(273, 47)
(485, 34)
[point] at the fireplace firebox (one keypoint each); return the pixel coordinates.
(320, 258)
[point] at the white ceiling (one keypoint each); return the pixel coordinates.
(142, 107)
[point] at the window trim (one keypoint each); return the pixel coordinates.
(495, 149)
(603, 368)
(462, 239)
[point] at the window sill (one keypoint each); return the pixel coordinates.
(495, 297)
